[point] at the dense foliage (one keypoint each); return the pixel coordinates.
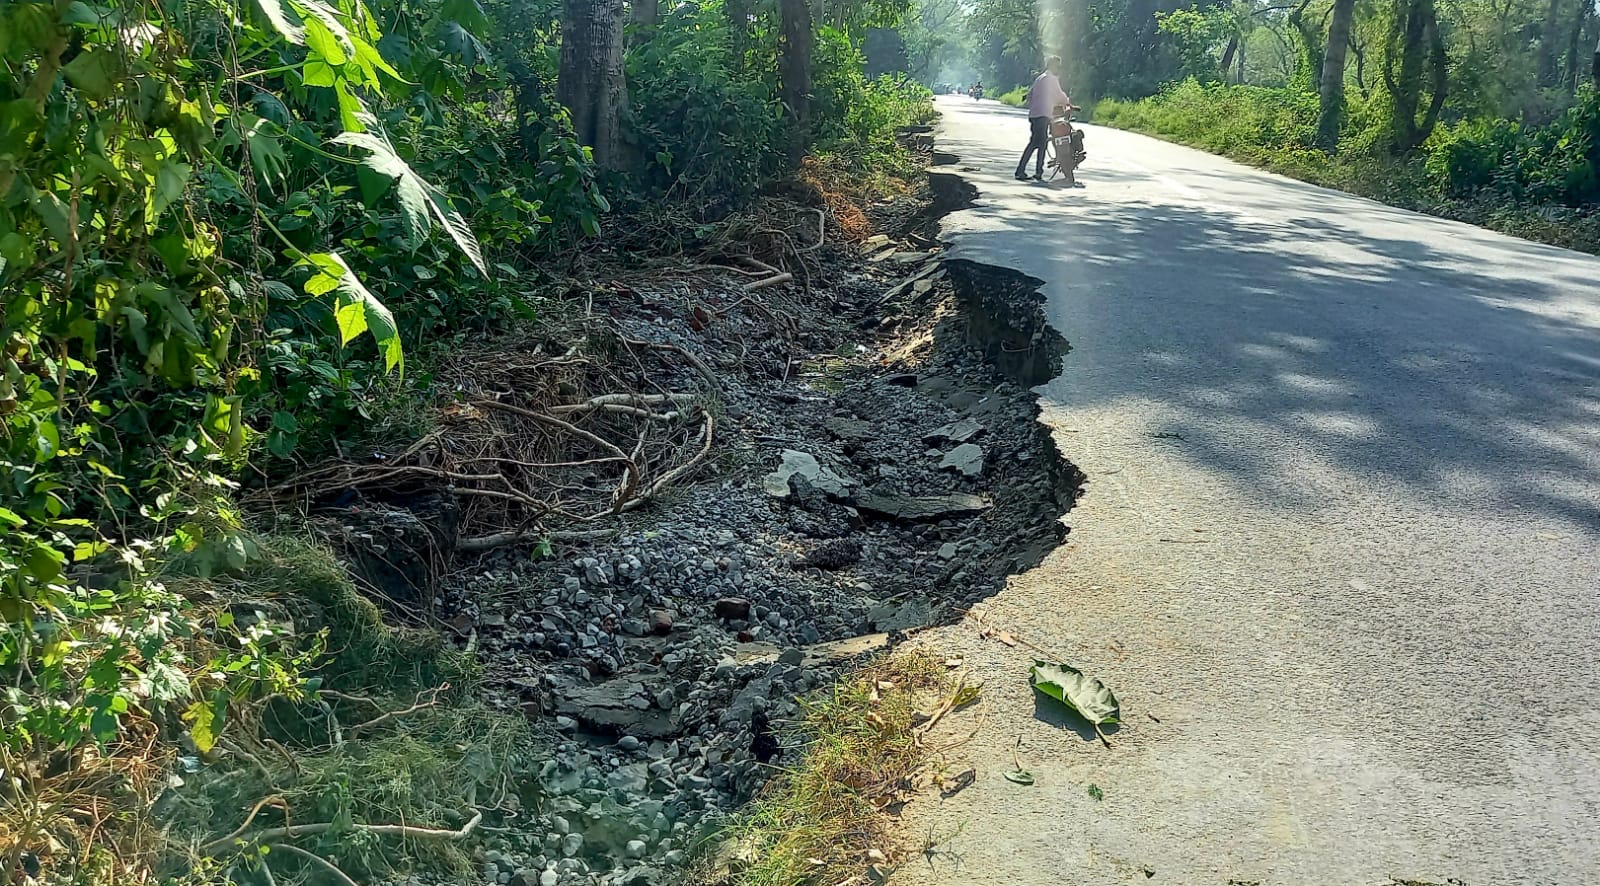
(228, 231)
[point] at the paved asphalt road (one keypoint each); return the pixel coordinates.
(1338, 552)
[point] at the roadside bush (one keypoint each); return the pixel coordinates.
(707, 132)
(856, 114)
(1251, 121)
(1547, 164)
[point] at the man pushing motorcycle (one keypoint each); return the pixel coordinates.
(1045, 97)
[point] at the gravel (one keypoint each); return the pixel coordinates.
(846, 499)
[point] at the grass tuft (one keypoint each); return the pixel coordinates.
(816, 822)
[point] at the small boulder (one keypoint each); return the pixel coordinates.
(731, 608)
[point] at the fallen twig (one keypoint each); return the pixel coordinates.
(945, 708)
(672, 476)
(630, 472)
(622, 400)
(255, 810)
(382, 830)
(516, 536)
(316, 859)
(433, 699)
(784, 277)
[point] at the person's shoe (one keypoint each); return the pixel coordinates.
(1022, 177)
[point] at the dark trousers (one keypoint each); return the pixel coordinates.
(1040, 137)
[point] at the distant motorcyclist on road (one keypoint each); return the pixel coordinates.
(1044, 97)
(977, 91)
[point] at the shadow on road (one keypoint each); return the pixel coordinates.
(1290, 343)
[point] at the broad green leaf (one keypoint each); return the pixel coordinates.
(266, 154)
(53, 213)
(457, 228)
(352, 111)
(372, 61)
(1088, 696)
(468, 12)
(11, 518)
(317, 73)
(357, 310)
(409, 187)
(202, 726)
(279, 17)
(95, 72)
(372, 186)
(80, 13)
(418, 199)
(331, 46)
(170, 180)
(463, 44)
(47, 440)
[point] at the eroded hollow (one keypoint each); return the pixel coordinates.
(1006, 321)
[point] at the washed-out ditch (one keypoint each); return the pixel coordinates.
(822, 468)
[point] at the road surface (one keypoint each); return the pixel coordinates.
(1338, 552)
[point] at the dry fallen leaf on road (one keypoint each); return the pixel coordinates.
(1006, 638)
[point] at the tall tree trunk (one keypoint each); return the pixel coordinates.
(1549, 75)
(1414, 39)
(1569, 71)
(1330, 106)
(1227, 56)
(794, 71)
(590, 83)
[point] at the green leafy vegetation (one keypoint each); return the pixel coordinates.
(235, 238)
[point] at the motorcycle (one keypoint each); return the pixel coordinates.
(1066, 145)
(976, 92)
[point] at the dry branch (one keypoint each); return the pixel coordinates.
(673, 475)
(433, 699)
(514, 536)
(382, 830)
(317, 860)
(770, 281)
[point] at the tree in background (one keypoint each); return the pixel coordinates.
(1066, 30)
(591, 85)
(1414, 62)
(1330, 114)
(794, 71)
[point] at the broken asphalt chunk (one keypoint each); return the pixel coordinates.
(921, 508)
